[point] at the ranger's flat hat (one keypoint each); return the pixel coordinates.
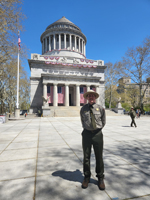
(90, 92)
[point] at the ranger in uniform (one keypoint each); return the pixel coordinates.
(93, 119)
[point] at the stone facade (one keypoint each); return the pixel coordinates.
(62, 73)
(126, 85)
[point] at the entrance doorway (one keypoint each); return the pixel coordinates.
(70, 100)
(71, 95)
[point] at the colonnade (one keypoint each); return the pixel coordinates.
(55, 96)
(63, 41)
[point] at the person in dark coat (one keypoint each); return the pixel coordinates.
(132, 114)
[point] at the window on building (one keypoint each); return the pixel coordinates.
(81, 90)
(59, 89)
(48, 89)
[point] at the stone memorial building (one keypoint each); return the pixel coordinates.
(62, 73)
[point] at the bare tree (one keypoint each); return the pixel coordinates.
(136, 64)
(11, 17)
(111, 79)
(9, 85)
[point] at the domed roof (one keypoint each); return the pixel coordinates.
(63, 25)
(63, 20)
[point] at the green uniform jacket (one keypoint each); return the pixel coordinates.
(99, 114)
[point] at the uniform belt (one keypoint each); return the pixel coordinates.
(94, 131)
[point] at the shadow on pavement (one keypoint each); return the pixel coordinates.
(75, 176)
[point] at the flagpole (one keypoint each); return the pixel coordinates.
(18, 81)
(17, 112)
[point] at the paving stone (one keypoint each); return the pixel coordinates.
(3, 145)
(22, 145)
(19, 189)
(126, 181)
(17, 169)
(18, 154)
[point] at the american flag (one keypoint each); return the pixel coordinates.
(19, 40)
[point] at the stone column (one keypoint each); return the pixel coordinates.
(82, 46)
(66, 95)
(43, 47)
(44, 92)
(77, 95)
(75, 43)
(46, 44)
(79, 45)
(54, 42)
(84, 49)
(59, 41)
(55, 95)
(64, 40)
(88, 88)
(70, 42)
(97, 90)
(49, 43)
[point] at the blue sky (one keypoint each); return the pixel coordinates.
(111, 26)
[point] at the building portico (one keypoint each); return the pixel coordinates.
(68, 93)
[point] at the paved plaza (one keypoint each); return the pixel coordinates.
(41, 159)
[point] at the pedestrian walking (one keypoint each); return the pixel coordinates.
(132, 115)
(93, 120)
(139, 113)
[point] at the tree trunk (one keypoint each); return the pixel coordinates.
(110, 98)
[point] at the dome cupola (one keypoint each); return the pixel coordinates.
(63, 38)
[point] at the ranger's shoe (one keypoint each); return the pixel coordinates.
(101, 184)
(85, 183)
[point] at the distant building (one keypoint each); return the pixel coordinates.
(62, 72)
(125, 84)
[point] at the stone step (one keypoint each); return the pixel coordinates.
(72, 111)
(62, 111)
(65, 108)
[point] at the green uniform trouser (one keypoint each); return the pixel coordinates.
(133, 121)
(95, 139)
